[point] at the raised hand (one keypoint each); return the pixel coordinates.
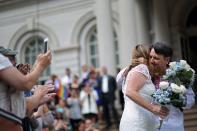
(43, 60)
(42, 95)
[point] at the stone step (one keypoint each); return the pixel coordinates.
(190, 123)
(190, 116)
(190, 119)
(192, 110)
(191, 129)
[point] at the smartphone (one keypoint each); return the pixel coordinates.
(46, 44)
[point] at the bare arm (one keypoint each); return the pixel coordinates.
(14, 78)
(135, 83)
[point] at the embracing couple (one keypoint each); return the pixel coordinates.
(139, 81)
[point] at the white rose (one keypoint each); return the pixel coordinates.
(187, 67)
(163, 85)
(165, 77)
(183, 63)
(193, 71)
(172, 64)
(183, 89)
(176, 88)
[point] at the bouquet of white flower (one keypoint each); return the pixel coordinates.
(179, 76)
(180, 73)
(170, 94)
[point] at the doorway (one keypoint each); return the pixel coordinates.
(189, 43)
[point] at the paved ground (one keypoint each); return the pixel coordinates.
(112, 128)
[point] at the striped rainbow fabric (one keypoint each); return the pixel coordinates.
(62, 91)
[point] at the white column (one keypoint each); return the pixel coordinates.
(141, 11)
(160, 21)
(105, 35)
(127, 31)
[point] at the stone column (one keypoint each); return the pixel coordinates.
(160, 21)
(106, 47)
(128, 36)
(142, 22)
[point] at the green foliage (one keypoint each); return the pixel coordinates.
(177, 103)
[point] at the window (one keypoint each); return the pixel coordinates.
(35, 46)
(116, 50)
(92, 48)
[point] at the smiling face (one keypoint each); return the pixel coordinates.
(159, 62)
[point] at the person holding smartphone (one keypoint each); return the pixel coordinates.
(12, 79)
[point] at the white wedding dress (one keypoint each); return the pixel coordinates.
(135, 117)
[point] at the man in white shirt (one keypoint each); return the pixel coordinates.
(67, 79)
(108, 87)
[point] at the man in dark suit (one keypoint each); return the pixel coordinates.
(108, 87)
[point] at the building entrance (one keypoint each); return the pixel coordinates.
(189, 43)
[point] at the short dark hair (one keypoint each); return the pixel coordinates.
(163, 49)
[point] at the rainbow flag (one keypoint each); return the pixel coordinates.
(62, 91)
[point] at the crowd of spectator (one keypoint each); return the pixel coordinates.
(87, 101)
(71, 103)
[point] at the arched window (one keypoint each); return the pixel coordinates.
(116, 50)
(92, 48)
(33, 47)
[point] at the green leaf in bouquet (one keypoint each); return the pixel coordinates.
(174, 96)
(185, 77)
(184, 74)
(189, 74)
(165, 77)
(177, 102)
(177, 81)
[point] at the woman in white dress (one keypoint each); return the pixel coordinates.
(139, 113)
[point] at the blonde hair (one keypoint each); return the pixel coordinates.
(140, 54)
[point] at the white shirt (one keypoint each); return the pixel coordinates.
(4, 62)
(86, 108)
(105, 88)
(11, 100)
(84, 75)
(4, 98)
(66, 80)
